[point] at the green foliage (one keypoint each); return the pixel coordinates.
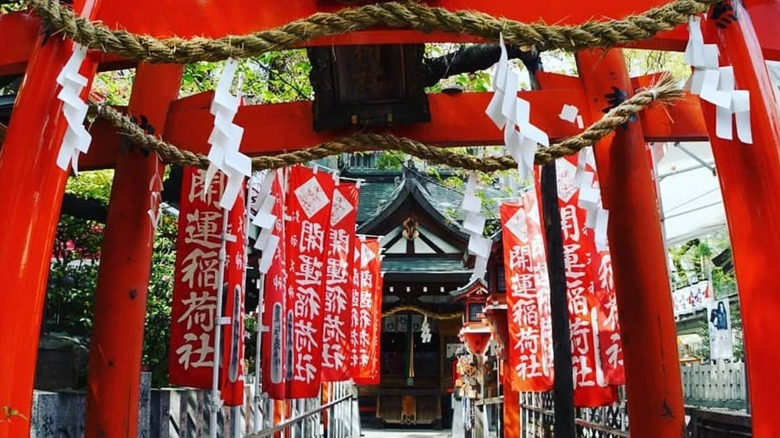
(12, 6)
(272, 77)
(642, 62)
(92, 185)
(390, 160)
(114, 86)
(74, 271)
(250, 341)
(159, 299)
(73, 275)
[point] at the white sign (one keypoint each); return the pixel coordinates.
(719, 323)
(691, 298)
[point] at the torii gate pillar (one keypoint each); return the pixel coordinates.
(31, 196)
(750, 179)
(639, 259)
(123, 279)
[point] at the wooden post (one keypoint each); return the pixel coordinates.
(750, 177)
(638, 257)
(33, 186)
(563, 390)
(126, 255)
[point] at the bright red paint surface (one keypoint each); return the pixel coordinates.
(750, 177)
(123, 278)
(31, 207)
(653, 381)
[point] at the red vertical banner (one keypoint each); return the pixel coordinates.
(274, 340)
(528, 296)
(369, 313)
(336, 344)
(308, 210)
(354, 362)
(193, 314)
(594, 383)
(232, 371)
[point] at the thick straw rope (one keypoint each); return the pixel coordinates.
(664, 91)
(421, 311)
(408, 15)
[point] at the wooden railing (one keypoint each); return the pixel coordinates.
(715, 386)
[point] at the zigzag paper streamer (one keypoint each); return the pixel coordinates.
(716, 85)
(225, 138)
(264, 218)
(513, 115)
(474, 224)
(590, 198)
(77, 139)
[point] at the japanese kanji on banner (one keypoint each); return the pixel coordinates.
(338, 284)
(274, 341)
(193, 315)
(368, 313)
(307, 228)
(595, 335)
(528, 296)
(232, 356)
(354, 361)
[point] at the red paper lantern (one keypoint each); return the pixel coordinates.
(476, 336)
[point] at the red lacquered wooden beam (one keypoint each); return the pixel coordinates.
(218, 18)
(31, 205)
(456, 121)
(749, 179)
(125, 262)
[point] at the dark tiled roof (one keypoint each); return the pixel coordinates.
(422, 264)
(448, 201)
(462, 291)
(374, 196)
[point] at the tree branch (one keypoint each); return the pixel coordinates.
(469, 59)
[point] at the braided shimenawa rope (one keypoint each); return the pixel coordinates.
(407, 15)
(421, 311)
(664, 91)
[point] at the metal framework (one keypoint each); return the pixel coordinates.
(33, 185)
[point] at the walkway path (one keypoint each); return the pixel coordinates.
(406, 433)
(457, 432)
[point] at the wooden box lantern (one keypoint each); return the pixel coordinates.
(475, 333)
(496, 316)
(368, 86)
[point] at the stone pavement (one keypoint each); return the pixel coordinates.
(456, 432)
(407, 433)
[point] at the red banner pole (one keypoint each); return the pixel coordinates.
(636, 244)
(33, 186)
(750, 176)
(511, 406)
(126, 255)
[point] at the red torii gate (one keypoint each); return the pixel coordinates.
(34, 185)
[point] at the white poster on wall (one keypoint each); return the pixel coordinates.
(719, 322)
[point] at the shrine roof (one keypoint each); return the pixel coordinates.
(423, 264)
(382, 188)
(476, 285)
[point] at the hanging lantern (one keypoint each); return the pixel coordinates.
(475, 333)
(476, 337)
(496, 316)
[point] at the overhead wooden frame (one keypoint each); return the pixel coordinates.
(212, 18)
(456, 120)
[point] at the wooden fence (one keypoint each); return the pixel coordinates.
(721, 386)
